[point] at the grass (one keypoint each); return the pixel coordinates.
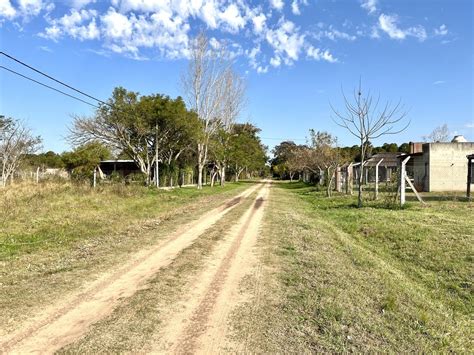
(54, 236)
(338, 278)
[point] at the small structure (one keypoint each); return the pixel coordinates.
(381, 166)
(122, 167)
(470, 174)
(440, 166)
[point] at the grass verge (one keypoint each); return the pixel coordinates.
(338, 279)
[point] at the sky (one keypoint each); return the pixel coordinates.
(296, 57)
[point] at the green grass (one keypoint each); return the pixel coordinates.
(340, 278)
(55, 236)
(53, 216)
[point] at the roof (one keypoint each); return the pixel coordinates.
(118, 161)
(389, 159)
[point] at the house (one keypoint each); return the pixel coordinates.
(440, 166)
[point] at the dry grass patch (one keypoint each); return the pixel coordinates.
(53, 237)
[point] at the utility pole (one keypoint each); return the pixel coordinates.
(157, 169)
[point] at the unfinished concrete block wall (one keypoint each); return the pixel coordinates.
(448, 166)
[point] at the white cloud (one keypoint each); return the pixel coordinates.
(45, 49)
(117, 25)
(369, 5)
(318, 54)
(161, 30)
(275, 62)
(131, 27)
(470, 125)
(277, 4)
(232, 18)
(439, 82)
(389, 24)
(333, 34)
(6, 9)
(25, 9)
(259, 23)
(441, 31)
(286, 41)
(78, 24)
(295, 8)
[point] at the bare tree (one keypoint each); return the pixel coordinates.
(212, 92)
(439, 134)
(16, 140)
(368, 119)
(232, 103)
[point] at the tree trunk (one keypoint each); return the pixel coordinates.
(223, 175)
(361, 174)
(213, 177)
(329, 179)
(200, 151)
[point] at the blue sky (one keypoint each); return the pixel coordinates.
(295, 55)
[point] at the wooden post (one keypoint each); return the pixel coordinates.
(349, 179)
(37, 175)
(95, 178)
(402, 180)
(337, 172)
(377, 178)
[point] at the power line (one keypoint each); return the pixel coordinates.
(51, 78)
(47, 86)
(283, 139)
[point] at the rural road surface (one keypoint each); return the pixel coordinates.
(199, 324)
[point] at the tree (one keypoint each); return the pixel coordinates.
(282, 153)
(324, 155)
(49, 159)
(439, 134)
(213, 91)
(82, 161)
(295, 160)
(367, 120)
(16, 141)
(246, 151)
(143, 128)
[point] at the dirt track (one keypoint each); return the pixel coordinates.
(69, 319)
(201, 322)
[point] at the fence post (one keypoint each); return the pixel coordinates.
(37, 175)
(402, 181)
(377, 178)
(95, 177)
(349, 179)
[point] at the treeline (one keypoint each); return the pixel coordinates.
(291, 159)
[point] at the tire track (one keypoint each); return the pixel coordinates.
(67, 320)
(201, 323)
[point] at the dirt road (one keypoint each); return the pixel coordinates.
(201, 323)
